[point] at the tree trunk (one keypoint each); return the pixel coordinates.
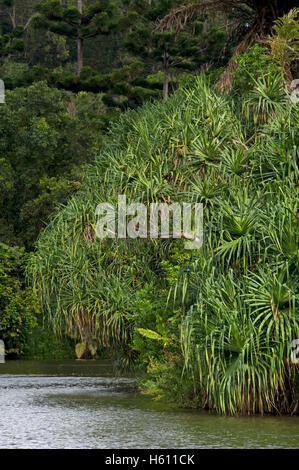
(166, 74)
(80, 54)
(80, 40)
(12, 15)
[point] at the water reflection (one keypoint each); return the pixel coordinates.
(78, 404)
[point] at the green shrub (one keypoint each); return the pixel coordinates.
(42, 344)
(229, 311)
(251, 66)
(19, 309)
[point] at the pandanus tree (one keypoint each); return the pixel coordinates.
(236, 298)
(238, 295)
(76, 21)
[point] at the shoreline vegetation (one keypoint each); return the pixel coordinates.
(210, 328)
(231, 316)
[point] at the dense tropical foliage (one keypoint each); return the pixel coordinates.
(18, 303)
(211, 327)
(232, 314)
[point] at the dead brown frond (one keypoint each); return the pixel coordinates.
(226, 80)
(262, 13)
(177, 18)
(89, 234)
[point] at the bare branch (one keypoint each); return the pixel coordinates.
(177, 18)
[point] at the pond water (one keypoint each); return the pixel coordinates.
(81, 404)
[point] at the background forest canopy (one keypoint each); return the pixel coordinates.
(159, 100)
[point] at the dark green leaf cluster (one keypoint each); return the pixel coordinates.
(18, 303)
(98, 18)
(46, 135)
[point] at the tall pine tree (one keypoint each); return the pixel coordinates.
(168, 49)
(77, 21)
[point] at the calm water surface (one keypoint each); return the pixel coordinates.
(81, 404)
